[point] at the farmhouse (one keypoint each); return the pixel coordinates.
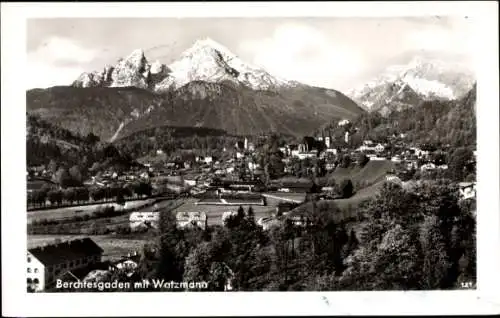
(128, 264)
(191, 219)
(428, 166)
(144, 220)
(268, 223)
(46, 263)
(467, 190)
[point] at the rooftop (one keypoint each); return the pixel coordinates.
(66, 251)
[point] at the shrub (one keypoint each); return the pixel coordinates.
(346, 188)
(123, 229)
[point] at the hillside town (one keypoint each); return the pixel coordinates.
(213, 190)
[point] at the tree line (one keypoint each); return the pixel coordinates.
(79, 195)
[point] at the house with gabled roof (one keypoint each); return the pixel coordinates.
(46, 263)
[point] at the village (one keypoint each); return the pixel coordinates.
(209, 190)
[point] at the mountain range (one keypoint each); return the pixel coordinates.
(207, 86)
(421, 79)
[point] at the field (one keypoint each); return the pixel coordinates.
(68, 212)
(360, 196)
(114, 248)
(214, 212)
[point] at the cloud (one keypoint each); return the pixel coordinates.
(43, 75)
(457, 38)
(303, 53)
(57, 61)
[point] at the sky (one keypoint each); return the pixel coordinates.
(340, 53)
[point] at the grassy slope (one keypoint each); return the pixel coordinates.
(372, 175)
(374, 171)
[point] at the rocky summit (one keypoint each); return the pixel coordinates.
(206, 60)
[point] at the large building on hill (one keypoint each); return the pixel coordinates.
(191, 219)
(45, 264)
(144, 220)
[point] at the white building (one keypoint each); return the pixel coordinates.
(327, 189)
(144, 219)
(190, 182)
(302, 148)
(394, 179)
(328, 142)
(419, 152)
(253, 166)
(467, 190)
(331, 150)
(190, 219)
(127, 265)
(343, 122)
(46, 263)
(428, 166)
(346, 137)
(208, 159)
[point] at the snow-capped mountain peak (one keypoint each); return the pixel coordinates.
(420, 77)
(136, 57)
(207, 45)
(205, 60)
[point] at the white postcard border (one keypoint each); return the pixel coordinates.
(15, 300)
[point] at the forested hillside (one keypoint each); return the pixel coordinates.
(51, 145)
(435, 122)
